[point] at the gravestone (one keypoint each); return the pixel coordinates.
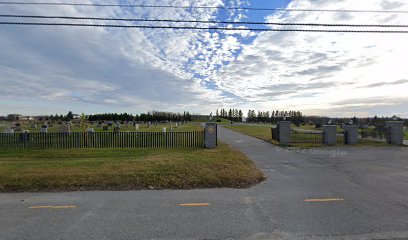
(137, 126)
(90, 130)
(98, 125)
(65, 129)
(110, 124)
(329, 134)
(8, 130)
(44, 130)
(117, 125)
(395, 132)
(25, 136)
(164, 130)
(116, 129)
(210, 135)
(33, 125)
(105, 128)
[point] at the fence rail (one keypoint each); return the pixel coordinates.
(306, 137)
(102, 140)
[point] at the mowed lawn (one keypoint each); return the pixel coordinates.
(261, 132)
(125, 169)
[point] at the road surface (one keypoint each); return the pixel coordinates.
(330, 193)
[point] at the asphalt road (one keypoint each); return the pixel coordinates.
(330, 193)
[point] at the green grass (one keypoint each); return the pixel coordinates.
(223, 121)
(125, 169)
(261, 132)
(406, 135)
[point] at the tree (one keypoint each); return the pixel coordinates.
(70, 115)
(84, 122)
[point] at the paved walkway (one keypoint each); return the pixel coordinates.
(367, 188)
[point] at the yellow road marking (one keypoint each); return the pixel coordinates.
(324, 200)
(51, 207)
(194, 204)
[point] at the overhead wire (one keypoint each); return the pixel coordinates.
(200, 7)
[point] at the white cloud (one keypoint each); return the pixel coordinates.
(97, 69)
(137, 70)
(315, 71)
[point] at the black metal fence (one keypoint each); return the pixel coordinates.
(380, 135)
(102, 140)
(306, 137)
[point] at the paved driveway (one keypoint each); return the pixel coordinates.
(347, 193)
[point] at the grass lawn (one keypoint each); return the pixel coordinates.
(261, 132)
(406, 135)
(223, 121)
(125, 169)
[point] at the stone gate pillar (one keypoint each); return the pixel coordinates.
(284, 132)
(210, 135)
(350, 134)
(329, 134)
(395, 132)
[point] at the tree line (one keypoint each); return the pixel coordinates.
(296, 117)
(144, 117)
(61, 117)
(232, 114)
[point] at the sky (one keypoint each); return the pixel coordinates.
(48, 70)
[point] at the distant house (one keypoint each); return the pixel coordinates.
(14, 117)
(40, 118)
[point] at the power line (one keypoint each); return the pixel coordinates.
(203, 21)
(201, 28)
(202, 7)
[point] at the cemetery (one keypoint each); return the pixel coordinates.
(100, 134)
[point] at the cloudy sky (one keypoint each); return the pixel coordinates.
(47, 70)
